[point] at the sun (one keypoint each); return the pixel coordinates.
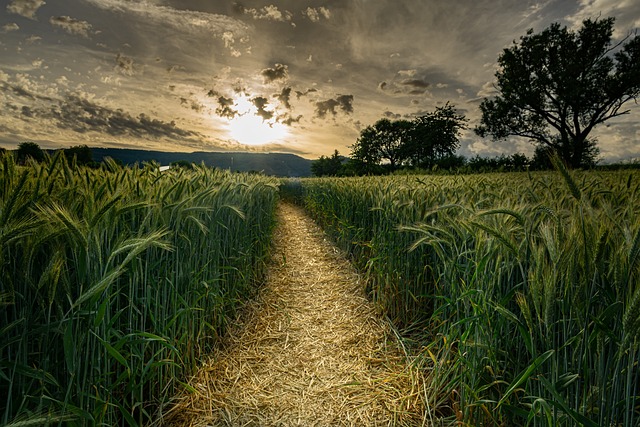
(250, 129)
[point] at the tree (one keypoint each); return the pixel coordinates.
(556, 86)
(434, 136)
(28, 150)
(82, 153)
(328, 166)
(382, 141)
(421, 142)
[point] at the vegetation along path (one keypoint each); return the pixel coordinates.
(309, 351)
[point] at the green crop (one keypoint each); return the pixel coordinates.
(114, 282)
(520, 291)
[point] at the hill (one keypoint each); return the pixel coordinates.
(275, 164)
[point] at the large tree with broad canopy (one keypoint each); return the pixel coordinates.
(556, 86)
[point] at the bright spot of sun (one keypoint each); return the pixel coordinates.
(250, 129)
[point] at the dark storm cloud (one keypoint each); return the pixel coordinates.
(278, 72)
(261, 104)
(71, 25)
(225, 107)
(284, 97)
(342, 102)
(26, 8)
(392, 115)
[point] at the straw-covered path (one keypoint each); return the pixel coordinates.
(308, 351)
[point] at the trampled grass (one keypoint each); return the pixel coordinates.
(521, 291)
(113, 283)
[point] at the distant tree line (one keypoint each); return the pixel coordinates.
(341, 166)
(31, 151)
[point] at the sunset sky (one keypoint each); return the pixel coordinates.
(297, 76)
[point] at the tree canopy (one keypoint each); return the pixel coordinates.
(82, 154)
(328, 166)
(422, 141)
(29, 150)
(556, 86)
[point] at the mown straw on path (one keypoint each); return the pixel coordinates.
(309, 351)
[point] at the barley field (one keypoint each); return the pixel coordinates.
(519, 292)
(115, 281)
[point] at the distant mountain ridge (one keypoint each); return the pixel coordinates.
(275, 164)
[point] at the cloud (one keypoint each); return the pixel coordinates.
(225, 107)
(406, 83)
(20, 90)
(407, 73)
(26, 8)
(346, 103)
(71, 25)
(278, 72)
(26, 111)
(300, 94)
(124, 65)
(271, 13)
(261, 103)
(82, 115)
(10, 27)
(417, 83)
(284, 97)
(186, 22)
(414, 86)
(342, 102)
(229, 42)
(488, 90)
(197, 106)
(627, 14)
(314, 14)
(288, 119)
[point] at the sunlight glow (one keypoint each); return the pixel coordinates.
(250, 129)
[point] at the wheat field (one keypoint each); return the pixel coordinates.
(520, 292)
(115, 281)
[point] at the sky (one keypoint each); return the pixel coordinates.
(295, 76)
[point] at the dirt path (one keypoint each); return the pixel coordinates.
(309, 351)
